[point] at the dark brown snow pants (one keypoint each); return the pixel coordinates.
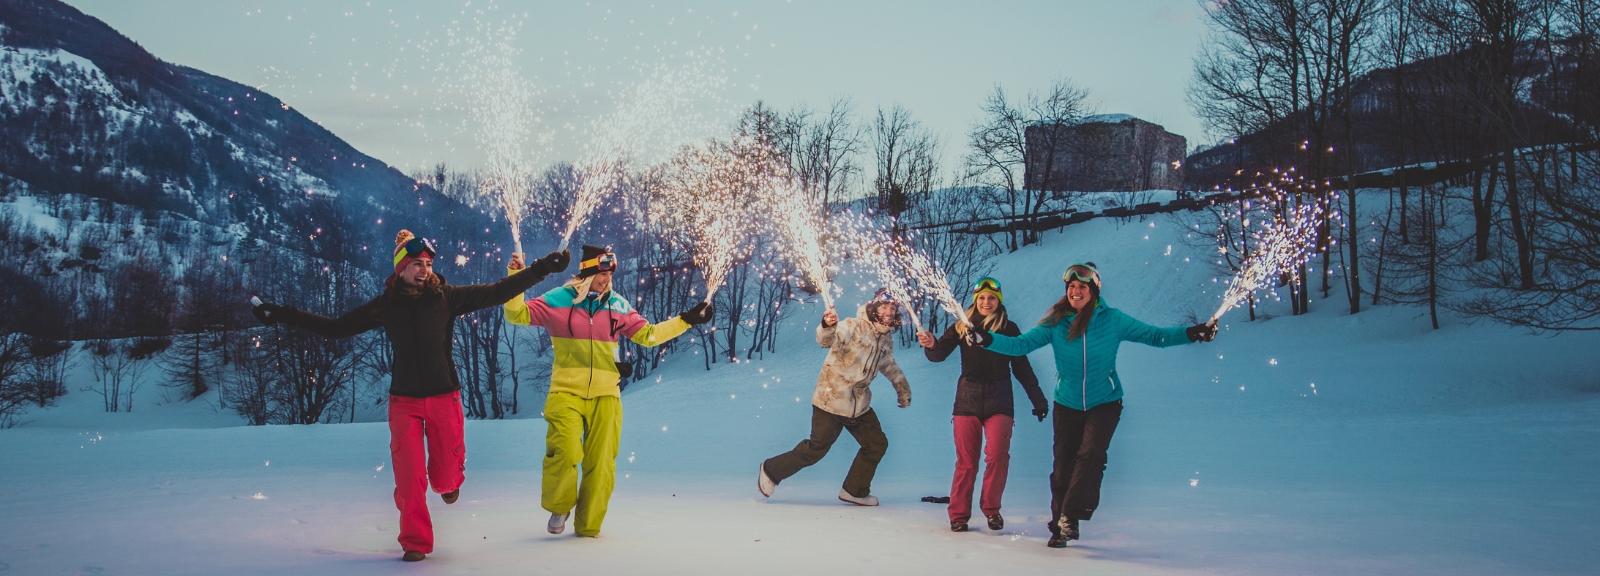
(825, 428)
(1080, 459)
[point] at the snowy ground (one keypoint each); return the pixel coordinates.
(1473, 449)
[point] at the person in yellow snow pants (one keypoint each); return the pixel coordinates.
(584, 410)
(582, 433)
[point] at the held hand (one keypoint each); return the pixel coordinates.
(1041, 413)
(925, 338)
(700, 314)
(830, 318)
(554, 262)
(517, 262)
(267, 313)
(978, 336)
(1201, 332)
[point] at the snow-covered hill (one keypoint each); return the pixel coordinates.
(1324, 443)
(91, 120)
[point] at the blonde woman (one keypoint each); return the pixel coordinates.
(984, 409)
(583, 413)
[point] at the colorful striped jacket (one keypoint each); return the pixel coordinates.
(584, 333)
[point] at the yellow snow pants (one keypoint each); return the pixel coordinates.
(581, 433)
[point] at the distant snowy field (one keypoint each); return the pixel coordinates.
(1321, 444)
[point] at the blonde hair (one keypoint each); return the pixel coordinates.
(993, 322)
(580, 284)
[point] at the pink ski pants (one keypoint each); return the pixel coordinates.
(442, 462)
(970, 435)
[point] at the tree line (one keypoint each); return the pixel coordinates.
(1392, 92)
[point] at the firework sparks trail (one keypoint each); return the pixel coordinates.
(707, 198)
(653, 117)
(1285, 244)
(871, 247)
(507, 111)
(930, 278)
(799, 222)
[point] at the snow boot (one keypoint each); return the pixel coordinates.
(451, 496)
(764, 483)
(996, 522)
(558, 523)
(958, 525)
(868, 500)
(1069, 527)
(413, 556)
(1057, 541)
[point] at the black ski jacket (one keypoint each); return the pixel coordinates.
(420, 328)
(984, 388)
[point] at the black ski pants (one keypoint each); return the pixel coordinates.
(825, 428)
(1082, 438)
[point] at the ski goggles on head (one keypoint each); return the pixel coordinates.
(1083, 274)
(605, 262)
(883, 295)
(987, 284)
(415, 247)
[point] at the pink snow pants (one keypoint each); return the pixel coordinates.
(443, 461)
(970, 437)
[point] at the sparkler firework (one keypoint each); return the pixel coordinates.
(871, 247)
(801, 226)
(706, 201)
(930, 278)
(1284, 245)
(653, 117)
(507, 111)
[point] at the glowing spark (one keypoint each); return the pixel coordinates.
(1284, 245)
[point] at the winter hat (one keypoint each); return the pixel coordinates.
(987, 284)
(596, 260)
(1085, 272)
(408, 247)
(879, 297)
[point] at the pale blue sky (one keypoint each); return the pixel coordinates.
(371, 70)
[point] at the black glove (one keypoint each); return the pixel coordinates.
(1041, 413)
(978, 336)
(700, 314)
(267, 313)
(1201, 332)
(625, 369)
(552, 262)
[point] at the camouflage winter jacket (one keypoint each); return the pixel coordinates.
(859, 350)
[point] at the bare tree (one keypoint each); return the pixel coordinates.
(823, 149)
(1015, 151)
(907, 162)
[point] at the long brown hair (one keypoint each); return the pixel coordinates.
(1063, 308)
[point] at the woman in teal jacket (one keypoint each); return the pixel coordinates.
(1085, 335)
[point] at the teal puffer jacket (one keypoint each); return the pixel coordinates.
(1086, 368)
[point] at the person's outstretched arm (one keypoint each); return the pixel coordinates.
(1029, 341)
(1130, 329)
(464, 299)
(1023, 370)
(643, 333)
(365, 317)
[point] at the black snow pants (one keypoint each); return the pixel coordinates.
(825, 428)
(1080, 459)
